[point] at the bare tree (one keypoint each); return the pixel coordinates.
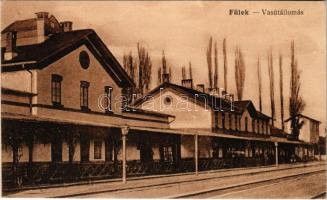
(145, 67)
(271, 84)
(209, 61)
(164, 63)
(281, 90)
(190, 70)
(260, 84)
(215, 78)
(170, 74)
(296, 103)
(130, 65)
(239, 73)
(183, 73)
(159, 76)
(225, 64)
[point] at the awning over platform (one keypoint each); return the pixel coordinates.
(197, 132)
(32, 118)
(190, 132)
(212, 134)
(285, 140)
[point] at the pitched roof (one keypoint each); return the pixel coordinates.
(303, 116)
(214, 102)
(21, 25)
(16, 92)
(247, 104)
(242, 105)
(262, 116)
(59, 45)
(142, 111)
(277, 132)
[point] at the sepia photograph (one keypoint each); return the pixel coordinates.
(163, 99)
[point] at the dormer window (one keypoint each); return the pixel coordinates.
(84, 91)
(56, 89)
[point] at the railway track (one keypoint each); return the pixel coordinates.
(320, 196)
(213, 192)
(171, 184)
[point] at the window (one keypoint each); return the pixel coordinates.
(56, 89)
(223, 119)
(216, 120)
(84, 59)
(230, 121)
(236, 120)
(108, 98)
(97, 149)
(168, 100)
(168, 154)
(262, 128)
(267, 128)
(253, 125)
(56, 150)
(258, 126)
(246, 124)
(84, 95)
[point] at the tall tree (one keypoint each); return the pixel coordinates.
(271, 84)
(145, 69)
(130, 65)
(159, 76)
(164, 63)
(239, 73)
(209, 62)
(225, 64)
(215, 78)
(281, 90)
(296, 103)
(190, 70)
(170, 74)
(260, 84)
(183, 73)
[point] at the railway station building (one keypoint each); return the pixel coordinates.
(65, 117)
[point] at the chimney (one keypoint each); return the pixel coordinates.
(200, 87)
(165, 78)
(11, 40)
(42, 15)
(40, 24)
(213, 91)
(187, 83)
(66, 26)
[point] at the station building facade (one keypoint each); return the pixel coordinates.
(65, 117)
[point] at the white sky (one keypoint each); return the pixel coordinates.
(183, 29)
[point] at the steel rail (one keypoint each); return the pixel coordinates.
(169, 184)
(239, 187)
(319, 196)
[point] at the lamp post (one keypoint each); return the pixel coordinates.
(124, 132)
(276, 153)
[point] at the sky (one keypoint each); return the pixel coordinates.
(183, 28)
